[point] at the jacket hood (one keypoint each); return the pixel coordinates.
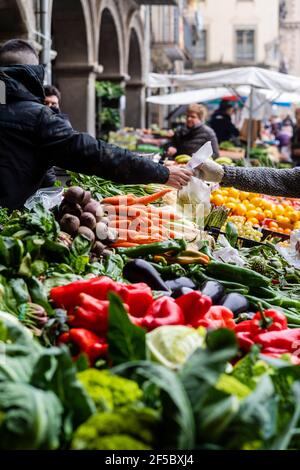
(23, 82)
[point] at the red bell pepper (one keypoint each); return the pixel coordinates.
(285, 341)
(245, 340)
(138, 297)
(68, 296)
(269, 320)
(91, 314)
(86, 342)
(163, 311)
(217, 317)
(194, 306)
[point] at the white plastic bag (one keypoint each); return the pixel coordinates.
(48, 197)
(291, 253)
(227, 254)
(194, 198)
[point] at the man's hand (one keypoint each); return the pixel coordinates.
(210, 171)
(179, 177)
(171, 151)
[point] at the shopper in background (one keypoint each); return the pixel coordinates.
(52, 97)
(221, 122)
(33, 137)
(189, 138)
(52, 100)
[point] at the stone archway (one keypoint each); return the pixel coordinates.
(13, 22)
(109, 50)
(111, 56)
(135, 85)
(73, 68)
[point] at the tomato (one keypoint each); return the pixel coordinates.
(282, 220)
(256, 201)
(279, 209)
(218, 199)
(268, 214)
(260, 216)
(240, 209)
(294, 216)
(251, 213)
(243, 195)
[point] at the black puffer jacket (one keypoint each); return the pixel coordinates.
(33, 139)
(188, 141)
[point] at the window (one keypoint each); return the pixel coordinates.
(245, 45)
(200, 48)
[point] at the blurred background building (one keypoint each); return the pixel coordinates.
(237, 33)
(290, 36)
(88, 43)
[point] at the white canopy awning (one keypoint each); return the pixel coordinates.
(208, 94)
(252, 76)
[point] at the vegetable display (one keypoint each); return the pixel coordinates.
(122, 332)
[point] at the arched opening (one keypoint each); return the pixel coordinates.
(109, 116)
(134, 86)
(71, 71)
(12, 24)
(109, 52)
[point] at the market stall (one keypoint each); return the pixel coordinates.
(124, 325)
(261, 86)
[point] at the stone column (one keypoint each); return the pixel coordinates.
(135, 104)
(76, 83)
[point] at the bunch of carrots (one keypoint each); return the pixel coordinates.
(137, 221)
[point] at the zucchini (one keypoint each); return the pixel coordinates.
(229, 272)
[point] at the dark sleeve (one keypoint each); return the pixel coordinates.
(61, 146)
(264, 180)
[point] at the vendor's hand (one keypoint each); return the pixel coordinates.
(171, 151)
(210, 171)
(179, 177)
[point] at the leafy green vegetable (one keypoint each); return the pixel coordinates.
(109, 392)
(130, 429)
(30, 417)
(126, 342)
(177, 426)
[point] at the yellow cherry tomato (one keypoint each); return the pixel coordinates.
(279, 209)
(218, 200)
(268, 214)
(240, 209)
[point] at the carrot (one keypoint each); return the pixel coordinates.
(152, 197)
(125, 211)
(115, 200)
(157, 212)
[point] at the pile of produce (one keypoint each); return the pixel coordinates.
(131, 337)
(278, 214)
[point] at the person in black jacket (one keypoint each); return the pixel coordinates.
(52, 99)
(33, 138)
(222, 124)
(188, 139)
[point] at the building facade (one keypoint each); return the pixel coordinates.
(91, 40)
(237, 33)
(290, 36)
